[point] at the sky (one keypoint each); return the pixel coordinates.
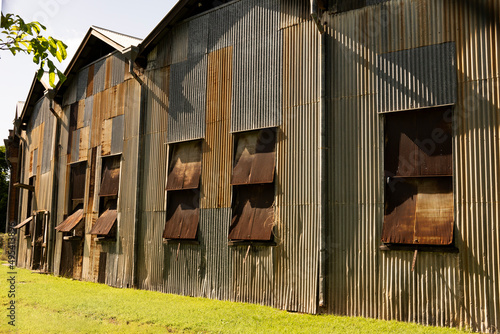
(69, 21)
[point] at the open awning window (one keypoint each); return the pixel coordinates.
(105, 224)
(71, 222)
(110, 176)
(253, 213)
(183, 213)
(255, 157)
(24, 222)
(185, 166)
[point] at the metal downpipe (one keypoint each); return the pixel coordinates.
(322, 151)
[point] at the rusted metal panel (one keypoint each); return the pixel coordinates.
(110, 176)
(218, 143)
(183, 214)
(71, 222)
(117, 129)
(97, 122)
(75, 145)
(107, 129)
(80, 114)
(84, 143)
(77, 180)
(255, 157)
(105, 223)
(90, 81)
(253, 212)
(120, 99)
(185, 166)
(418, 77)
(434, 212)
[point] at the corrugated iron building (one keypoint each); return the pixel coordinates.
(76, 158)
(344, 161)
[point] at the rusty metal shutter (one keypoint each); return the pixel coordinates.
(183, 212)
(253, 213)
(71, 222)
(78, 172)
(185, 166)
(255, 157)
(105, 224)
(110, 176)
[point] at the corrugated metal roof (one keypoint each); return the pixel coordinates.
(122, 39)
(70, 223)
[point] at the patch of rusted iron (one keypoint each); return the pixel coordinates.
(105, 225)
(255, 157)
(253, 212)
(185, 166)
(183, 212)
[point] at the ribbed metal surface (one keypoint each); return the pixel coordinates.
(81, 87)
(70, 94)
(187, 99)
(179, 44)
(99, 76)
(294, 12)
(417, 78)
(156, 104)
(297, 228)
(257, 99)
(117, 134)
(48, 140)
(89, 105)
(118, 69)
(217, 158)
(445, 289)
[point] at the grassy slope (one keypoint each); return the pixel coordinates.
(47, 304)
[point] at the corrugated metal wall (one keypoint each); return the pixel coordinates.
(115, 103)
(257, 76)
(446, 289)
(39, 138)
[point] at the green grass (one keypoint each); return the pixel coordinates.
(48, 304)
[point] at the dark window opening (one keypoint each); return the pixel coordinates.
(29, 226)
(77, 185)
(105, 226)
(418, 174)
(183, 191)
(253, 186)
